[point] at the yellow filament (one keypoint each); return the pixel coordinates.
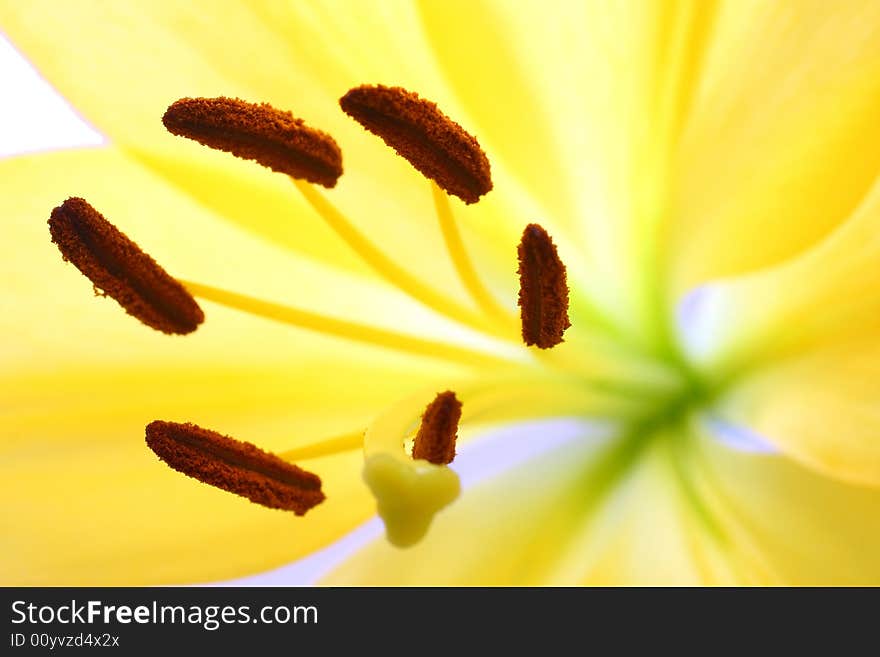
(326, 447)
(344, 329)
(388, 269)
(463, 265)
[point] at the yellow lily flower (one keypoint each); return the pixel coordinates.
(708, 173)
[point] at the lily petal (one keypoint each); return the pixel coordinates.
(824, 295)
(795, 348)
(782, 140)
(820, 408)
(799, 527)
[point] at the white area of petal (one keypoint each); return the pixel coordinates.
(738, 437)
(33, 117)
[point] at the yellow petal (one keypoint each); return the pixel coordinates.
(645, 532)
(782, 140)
(801, 528)
(300, 56)
(821, 408)
(820, 297)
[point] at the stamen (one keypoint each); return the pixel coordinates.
(390, 270)
(435, 441)
(463, 265)
(234, 466)
(543, 291)
(345, 329)
(432, 142)
(327, 447)
(272, 137)
(118, 267)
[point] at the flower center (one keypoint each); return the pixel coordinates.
(586, 371)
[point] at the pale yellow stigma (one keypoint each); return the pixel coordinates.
(409, 492)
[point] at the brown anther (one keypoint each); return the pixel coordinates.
(435, 441)
(543, 291)
(432, 142)
(272, 137)
(117, 266)
(234, 466)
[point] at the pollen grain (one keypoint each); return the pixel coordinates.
(543, 291)
(272, 137)
(120, 269)
(435, 440)
(433, 143)
(234, 466)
